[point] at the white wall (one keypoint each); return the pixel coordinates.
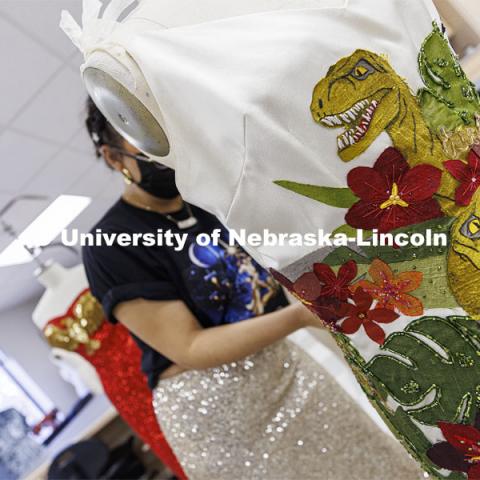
(21, 340)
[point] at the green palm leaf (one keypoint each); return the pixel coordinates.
(334, 197)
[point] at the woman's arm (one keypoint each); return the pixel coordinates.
(172, 330)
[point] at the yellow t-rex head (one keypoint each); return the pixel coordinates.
(364, 95)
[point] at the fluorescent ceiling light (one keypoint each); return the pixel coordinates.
(44, 229)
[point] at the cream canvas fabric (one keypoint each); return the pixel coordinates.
(234, 98)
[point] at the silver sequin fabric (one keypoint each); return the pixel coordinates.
(276, 415)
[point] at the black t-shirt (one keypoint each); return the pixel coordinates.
(218, 283)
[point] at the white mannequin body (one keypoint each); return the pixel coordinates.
(62, 287)
(127, 113)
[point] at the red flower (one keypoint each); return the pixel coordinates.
(308, 287)
(467, 174)
(322, 282)
(360, 314)
(308, 290)
(393, 195)
(461, 451)
(336, 285)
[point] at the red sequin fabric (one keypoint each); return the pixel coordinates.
(117, 359)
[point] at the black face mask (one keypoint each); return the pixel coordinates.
(157, 180)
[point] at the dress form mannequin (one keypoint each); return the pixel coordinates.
(62, 285)
(104, 356)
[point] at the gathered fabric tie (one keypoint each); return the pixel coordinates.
(96, 28)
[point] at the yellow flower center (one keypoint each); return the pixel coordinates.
(394, 199)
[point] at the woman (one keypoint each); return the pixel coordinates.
(233, 397)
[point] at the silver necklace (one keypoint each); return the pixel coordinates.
(189, 222)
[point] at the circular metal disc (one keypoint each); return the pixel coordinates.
(126, 113)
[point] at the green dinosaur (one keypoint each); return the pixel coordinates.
(449, 99)
(364, 95)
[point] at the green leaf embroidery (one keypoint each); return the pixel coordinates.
(399, 420)
(433, 355)
(449, 99)
(351, 232)
(334, 197)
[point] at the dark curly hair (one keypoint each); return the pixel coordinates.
(99, 128)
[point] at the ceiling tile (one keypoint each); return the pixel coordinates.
(76, 60)
(24, 157)
(40, 19)
(56, 113)
(5, 197)
(59, 174)
(26, 67)
(82, 142)
(95, 180)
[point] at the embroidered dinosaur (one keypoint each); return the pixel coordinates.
(364, 95)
